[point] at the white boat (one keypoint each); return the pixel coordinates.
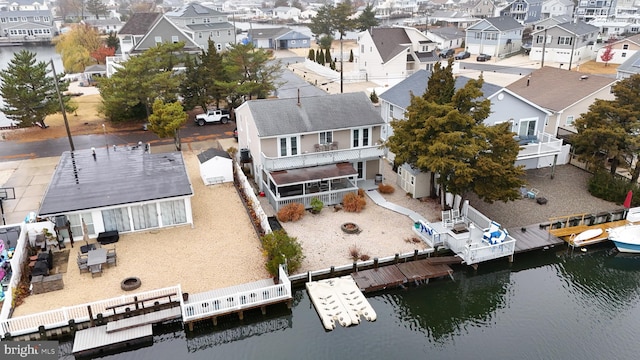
(586, 235)
(626, 238)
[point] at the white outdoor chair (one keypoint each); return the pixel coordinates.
(447, 221)
(455, 216)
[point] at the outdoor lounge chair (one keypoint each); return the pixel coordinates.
(447, 221)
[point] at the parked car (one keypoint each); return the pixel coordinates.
(463, 55)
(445, 54)
(213, 116)
(483, 57)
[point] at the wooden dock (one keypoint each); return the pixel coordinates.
(95, 340)
(395, 275)
(533, 238)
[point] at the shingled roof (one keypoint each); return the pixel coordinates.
(276, 117)
(556, 89)
(139, 23)
(389, 41)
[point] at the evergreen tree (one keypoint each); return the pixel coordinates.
(112, 41)
(96, 7)
(28, 91)
(367, 19)
(351, 55)
(374, 97)
(441, 84)
(320, 57)
(312, 55)
(167, 119)
(327, 56)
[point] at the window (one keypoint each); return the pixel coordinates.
(570, 120)
(174, 39)
(3, 20)
(390, 111)
(76, 224)
(46, 19)
(624, 54)
(24, 19)
(144, 216)
(478, 35)
(219, 47)
(218, 33)
(13, 19)
(36, 18)
(361, 137)
(326, 137)
(116, 219)
(539, 39)
(158, 39)
(288, 146)
(565, 40)
(173, 212)
(491, 36)
(527, 127)
(625, 47)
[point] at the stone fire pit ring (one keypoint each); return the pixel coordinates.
(130, 283)
(350, 228)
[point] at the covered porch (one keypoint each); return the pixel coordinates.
(329, 183)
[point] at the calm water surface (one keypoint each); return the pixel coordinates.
(548, 305)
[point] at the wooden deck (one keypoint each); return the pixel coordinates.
(145, 319)
(94, 340)
(395, 275)
(566, 233)
(534, 238)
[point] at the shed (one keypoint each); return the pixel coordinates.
(215, 166)
(413, 181)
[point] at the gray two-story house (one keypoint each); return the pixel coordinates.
(203, 24)
(312, 147)
(23, 21)
(497, 36)
(565, 43)
(523, 11)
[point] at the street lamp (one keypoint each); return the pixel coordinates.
(64, 113)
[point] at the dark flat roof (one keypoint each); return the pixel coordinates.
(323, 172)
(124, 176)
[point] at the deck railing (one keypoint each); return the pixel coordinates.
(546, 144)
(327, 197)
(321, 158)
(52, 319)
(477, 251)
(239, 301)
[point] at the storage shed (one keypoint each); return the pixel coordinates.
(413, 181)
(216, 166)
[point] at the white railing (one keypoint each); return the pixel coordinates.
(239, 301)
(20, 254)
(328, 198)
(60, 317)
(473, 251)
(253, 202)
(321, 158)
(546, 144)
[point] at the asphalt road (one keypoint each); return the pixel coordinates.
(15, 150)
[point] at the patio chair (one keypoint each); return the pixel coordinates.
(532, 193)
(447, 221)
(96, 270)
(455, 216)
(334, 145)
(316, 147)
(112, 258)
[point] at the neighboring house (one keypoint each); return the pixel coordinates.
(627, 11)
(124, 189)
(551, 21)
(144, 31)
(528, 120)
(106, 26)
(498, 36)
(613, 30)
(203, 24)
(23, 21)
(551, 8)
(566, 43)
(622, 50)
(630, 67)
(278, 38)
(457, 19)
(308, 147)
(566, 94)
(216, 166)
(287, 13)
(590, 10)
(446, 37)
(483, 9)
(523, 11)
(389, 54)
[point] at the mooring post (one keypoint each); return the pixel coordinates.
(415, 254)
(332, 270)
(355, 267)
(396, 258)
(375, 263)
(91, 323)
(135, 298)
(308, 276)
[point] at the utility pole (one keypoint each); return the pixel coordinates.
(64, 113)
(544, 48)
(341, 65)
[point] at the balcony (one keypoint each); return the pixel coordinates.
(538, 146)
(321, 158)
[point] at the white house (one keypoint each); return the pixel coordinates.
(216, 166)
(287, 13)
(622, 49)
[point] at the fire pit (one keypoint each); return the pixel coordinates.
(350, 228)
(130, 283)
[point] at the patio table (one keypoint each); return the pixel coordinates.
(97, 257)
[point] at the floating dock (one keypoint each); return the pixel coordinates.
(395, 275)
(339, 300)
(95, 340)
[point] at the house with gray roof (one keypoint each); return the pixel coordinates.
(278, 38)
(24, 24)
(387, 55)
(448, 37)
(527, 121)
(496, 36)
(523, 11)
(106, 26)
(310, 147)
(630, 67)
(565, 43)
(203, 24)
(126, 189)
(565, 94)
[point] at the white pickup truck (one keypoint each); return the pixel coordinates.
(213, 116)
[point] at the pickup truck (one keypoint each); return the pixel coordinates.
(213, 116)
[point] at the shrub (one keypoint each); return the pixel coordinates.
(353, 202)
(291, 212)
(280, 248)
(386, 189)
(365, 257)
(354, 252)
(612, 188)
(361, 193)
(316, 205)
(312, 55)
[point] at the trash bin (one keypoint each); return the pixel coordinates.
(378, 179)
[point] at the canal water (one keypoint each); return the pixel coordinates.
(547, 305)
